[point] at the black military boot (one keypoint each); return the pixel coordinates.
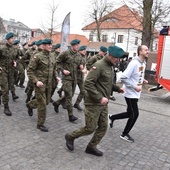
(7, 111)
(42, 128)
(14, 96)
(22, 86)
(93, 151)
(30, 110)
(56, 107)
(69, 142)
(77, 106)
(72, 118)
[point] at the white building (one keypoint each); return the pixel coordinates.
(121, 27)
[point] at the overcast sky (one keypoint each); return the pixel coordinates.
(36, 13)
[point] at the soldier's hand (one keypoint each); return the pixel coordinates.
(39, 84)
(58, 79)
(81, 67)
(66, 72)
(15, 63)
(104, 100)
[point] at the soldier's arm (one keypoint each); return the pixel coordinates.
(59, 61)
(90, 84)
(31, 69)
(90, 63)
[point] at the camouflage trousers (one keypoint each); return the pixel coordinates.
(6, 83)
(40, 103)
(80, 84)
(69, 89)
(54, 86)
(20, 77)
(30, 88)
(96, 120)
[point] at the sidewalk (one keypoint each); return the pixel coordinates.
(23, 147)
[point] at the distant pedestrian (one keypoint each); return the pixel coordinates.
(98, 86)
(133, 79)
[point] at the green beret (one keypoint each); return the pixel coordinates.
(116, 52)
(39, 42)
(33, 43)
(82, 48)
(103, 49)
(75, 42)
(47, 41)
(57, 46)
(16, 42)
(9, 35)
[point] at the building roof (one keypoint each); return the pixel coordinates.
(57, 37)
(95, 46)
(121, 18)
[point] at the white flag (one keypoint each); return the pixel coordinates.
(65, 33)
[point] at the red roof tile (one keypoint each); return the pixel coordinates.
(56, 38)
(122, 17)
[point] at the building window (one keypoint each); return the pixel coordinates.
(120, 39)
(104, 38)
(91, 37)
(136, 40)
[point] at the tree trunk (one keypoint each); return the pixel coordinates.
(147, 33)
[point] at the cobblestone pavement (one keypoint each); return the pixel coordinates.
(23, 147)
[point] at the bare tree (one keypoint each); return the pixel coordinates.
(52, 24)
(154, 14)
(96, 12)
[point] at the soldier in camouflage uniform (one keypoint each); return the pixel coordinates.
(27, 57)
(54, 58)
(30, 84)
(19, 75)
(7, 64)
(40, 72)
(99, 56)
(69, 62)
(98, 86)
(80, 79)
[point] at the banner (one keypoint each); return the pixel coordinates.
(65, 33)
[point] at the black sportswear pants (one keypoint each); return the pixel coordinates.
(132, 114)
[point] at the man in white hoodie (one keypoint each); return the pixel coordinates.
(132, 78)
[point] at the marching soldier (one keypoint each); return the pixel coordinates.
(68, 62)
(80, 79)
(99, 56)
(54, 58)
(40, 72)
(30, 84)
(7, 65)
(98, 86)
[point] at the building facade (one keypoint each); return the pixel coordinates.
(122, 28)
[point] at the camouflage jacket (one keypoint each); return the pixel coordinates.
(92, 60)
(28, 55)
(99, 82)
(7, 57)
(71, 61)
(80, 75)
